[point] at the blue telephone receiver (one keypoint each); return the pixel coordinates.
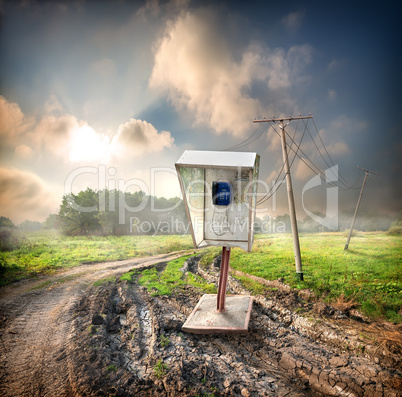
(221, 193)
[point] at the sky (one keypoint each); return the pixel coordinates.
(110, 93)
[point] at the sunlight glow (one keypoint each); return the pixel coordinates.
(87, 145)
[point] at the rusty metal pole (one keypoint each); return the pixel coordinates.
(223, 280)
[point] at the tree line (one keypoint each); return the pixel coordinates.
(112, 212)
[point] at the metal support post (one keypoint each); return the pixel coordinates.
(223, 280)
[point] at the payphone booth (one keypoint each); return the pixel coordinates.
(219, 192)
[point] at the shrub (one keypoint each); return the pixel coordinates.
(355, 233)
(10, 239)
(395, 231)
(2, 265)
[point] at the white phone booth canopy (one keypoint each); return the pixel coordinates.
(219, 192)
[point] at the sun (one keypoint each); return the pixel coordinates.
(87, 145)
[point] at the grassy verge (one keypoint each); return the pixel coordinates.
(369, 274)
(43, 253)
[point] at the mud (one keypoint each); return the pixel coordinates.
(69, 337)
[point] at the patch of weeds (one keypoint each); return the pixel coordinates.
(103, 281)
(199, 282)
(128, 276)
(45, 284)
(160, 369)
(164, 341)
(164, 282)
(300, 310)
(254, 286)
(209, 255)
(92, 329)
(60, 280)
(112, 367)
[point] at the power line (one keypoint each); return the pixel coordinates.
(246, 141)
(317, 170)
(341, 179)
(265, 198)
(306, 160)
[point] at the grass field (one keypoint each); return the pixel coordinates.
(368, 275)
(44, 252)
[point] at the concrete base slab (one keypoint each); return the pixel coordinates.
(205, 319)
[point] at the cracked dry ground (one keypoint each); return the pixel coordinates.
(69, 337)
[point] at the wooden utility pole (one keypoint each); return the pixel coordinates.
(291, 201)
(357, 206)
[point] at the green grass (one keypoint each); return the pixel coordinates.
(45, 252)
(164, 341)
(112, 367)
(160, 369)
(104, 281)
(166, 281)
(369, 272)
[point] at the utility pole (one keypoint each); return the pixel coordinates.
(291, 201)
(358, 204)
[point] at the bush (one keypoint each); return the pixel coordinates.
(10, 239)
(2, 265)
(395, 231)
(355, 233)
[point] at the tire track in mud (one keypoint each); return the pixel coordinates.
(275, 358)
(36, 329)
(76, 339)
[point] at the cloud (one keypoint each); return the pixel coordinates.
(75, 140)
(138, 137)
(301, 171)
(332, 95)
(54, 133)
(338, 148)
(151, 8)
(104, 68)
(346, 124)
(293, 20)
(23, 195)
(23, 151)
(334, 65)
(12, 121)
(68, 138)
(53, 106)
(194, 64)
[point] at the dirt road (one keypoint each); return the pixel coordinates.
(65, 336)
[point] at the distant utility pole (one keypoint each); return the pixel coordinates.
(291, 201)
(357, 206)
